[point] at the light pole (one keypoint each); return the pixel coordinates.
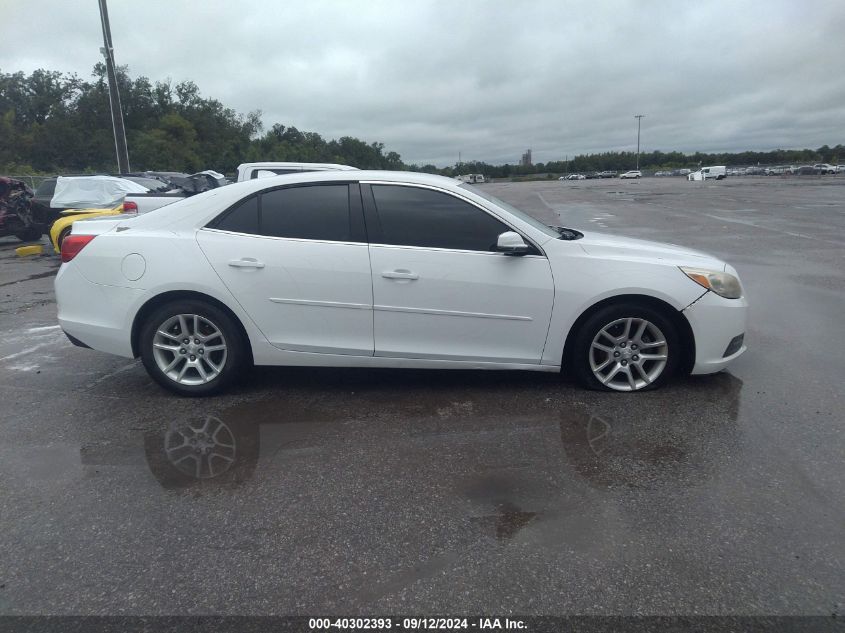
(639, 118)
(114, 95)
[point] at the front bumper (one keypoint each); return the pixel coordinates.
(716, 323)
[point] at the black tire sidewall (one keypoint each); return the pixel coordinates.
(235, 352)
(61, 237)
(580, 359)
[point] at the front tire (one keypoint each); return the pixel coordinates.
(626, 347)
(192, 348)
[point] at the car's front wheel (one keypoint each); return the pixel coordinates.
(192, 347)
(626, 347)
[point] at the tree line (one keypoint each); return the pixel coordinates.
(53, 122)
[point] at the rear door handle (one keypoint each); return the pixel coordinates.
(400, 274)
(246, 262)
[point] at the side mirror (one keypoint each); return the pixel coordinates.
(511, 243)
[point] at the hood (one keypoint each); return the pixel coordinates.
(617, 247)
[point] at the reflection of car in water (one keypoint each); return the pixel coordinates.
(604, 443)
(660, 445)
(193, 451)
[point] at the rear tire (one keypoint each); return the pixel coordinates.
(192, 348)
(62, 236)
(626, 347)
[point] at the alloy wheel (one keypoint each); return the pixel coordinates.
(189, 349)
(628, 354)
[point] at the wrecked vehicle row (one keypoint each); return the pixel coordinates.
(60, 201)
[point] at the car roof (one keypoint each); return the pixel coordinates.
(347, 176)
(282, 165)
(189, 211)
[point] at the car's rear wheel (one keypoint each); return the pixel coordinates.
(62, 236)
(626, 347)
(192, 347)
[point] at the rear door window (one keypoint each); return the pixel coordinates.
(308, 212)
(318, 212)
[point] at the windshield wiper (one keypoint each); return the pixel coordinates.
(568, 234)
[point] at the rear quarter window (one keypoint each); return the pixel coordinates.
(242, 218)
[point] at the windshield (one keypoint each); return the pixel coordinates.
(512, 210)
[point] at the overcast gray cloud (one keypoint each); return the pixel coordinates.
(487, 79)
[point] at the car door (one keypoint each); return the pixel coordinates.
(296, 259)
(441, 291)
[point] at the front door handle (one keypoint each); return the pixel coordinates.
(400, 274)
(246, 262)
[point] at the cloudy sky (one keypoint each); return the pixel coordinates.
(487, 79)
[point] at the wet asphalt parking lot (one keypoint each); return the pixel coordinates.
(373, 492)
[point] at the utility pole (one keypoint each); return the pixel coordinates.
(114, 96)
(638, 117)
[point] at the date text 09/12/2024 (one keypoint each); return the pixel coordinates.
(413, 624)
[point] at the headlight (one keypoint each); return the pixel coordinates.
(723, 284)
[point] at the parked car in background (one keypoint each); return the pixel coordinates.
(840, 169)
(715, 172)
(250, 171)
(471, 178)
(634, 173)
(755, 171)
(389, 269)
(607, 174)
(82, 197)
(42, 201)
(824, 168)
(575, 177)
(178, 186)
(778, 170)
(16, 213)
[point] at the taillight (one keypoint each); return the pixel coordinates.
(129, 207)
(72, 244)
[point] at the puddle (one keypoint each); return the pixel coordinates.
(507, 521)
(654, 444)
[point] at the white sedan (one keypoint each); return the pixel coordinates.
(388, 269)
(634, 173)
